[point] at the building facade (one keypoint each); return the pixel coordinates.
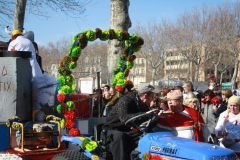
(138, 74)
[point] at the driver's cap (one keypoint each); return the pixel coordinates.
(146, 87)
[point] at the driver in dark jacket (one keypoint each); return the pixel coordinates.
(122, 139)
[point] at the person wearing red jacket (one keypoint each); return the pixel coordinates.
(181, 120)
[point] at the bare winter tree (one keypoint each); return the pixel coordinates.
(231, 23)
(53, 53)
(72, 8)
(221, 60)
(155, 45)
(119, 19)
(225, 66)
(190, 38)
(93, 58)
(6, 12)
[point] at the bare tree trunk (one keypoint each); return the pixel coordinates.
(221, 77)
(154, 76)
(196, 73)
(19, 14)
(188, 72)
(119, 19)
(235, 74)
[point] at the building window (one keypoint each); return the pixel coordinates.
(180, 62)
(137, 71)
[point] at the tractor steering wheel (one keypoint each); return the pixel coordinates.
(143, 127)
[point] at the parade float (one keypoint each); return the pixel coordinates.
(23, 138)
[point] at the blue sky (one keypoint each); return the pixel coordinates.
(98, 13)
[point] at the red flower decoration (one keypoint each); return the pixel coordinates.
(131, 58)
(127, 93)
(74, 59)
(61, 64)
(204, 101)
(112, 34)
(74, 132)
(82, 38)
(147, 156)
(83, 45)
(123, 54)
(61, 97)
(156, 157)
(129, 82)
(140, 41)
(69, 123)
(70, 115)
(126, 72)
(98, 32)
(125, 35)
(212, 77)
(66, 60)
(119, 88)
(65, 71)
(215, 101)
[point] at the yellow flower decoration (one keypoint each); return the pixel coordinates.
(91, 146)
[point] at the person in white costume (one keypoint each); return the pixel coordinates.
(21, 43)
(44, 86)
(228, 124)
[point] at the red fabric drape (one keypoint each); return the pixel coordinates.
(180, 120)
(82, 107)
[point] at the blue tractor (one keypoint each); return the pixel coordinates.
(152, 145)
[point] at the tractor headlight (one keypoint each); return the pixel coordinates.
(229, 157)
(219, 158)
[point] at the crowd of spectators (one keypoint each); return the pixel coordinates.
(215, 110)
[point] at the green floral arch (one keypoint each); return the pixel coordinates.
(133, 44)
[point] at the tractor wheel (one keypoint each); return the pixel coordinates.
(70, 155)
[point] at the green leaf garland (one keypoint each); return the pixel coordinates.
(133, 44)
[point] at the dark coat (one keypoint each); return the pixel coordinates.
(127, 107)
(220, 109)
